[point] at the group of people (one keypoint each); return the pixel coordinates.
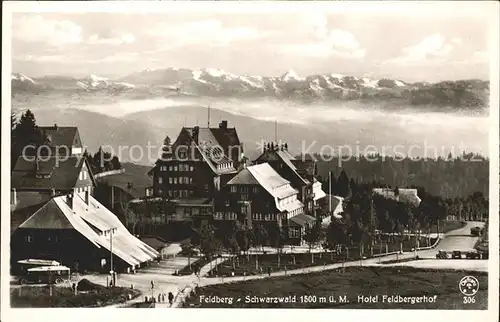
(162, 298)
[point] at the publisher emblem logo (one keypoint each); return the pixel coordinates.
(468, 285)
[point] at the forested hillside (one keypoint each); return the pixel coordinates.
(446, 177)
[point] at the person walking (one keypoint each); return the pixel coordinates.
(170, 298)
(269, 271)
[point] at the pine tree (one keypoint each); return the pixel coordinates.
(343, 184)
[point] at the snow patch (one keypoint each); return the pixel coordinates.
(373, 83)
(22, 78)
(291, 75)
(197, 74)
(338, 76)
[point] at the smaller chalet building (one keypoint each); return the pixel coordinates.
(79, 232)
(409, 196)
(258, 194)
(36, 181)
(300, 173)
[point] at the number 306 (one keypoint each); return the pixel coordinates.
(469, 300)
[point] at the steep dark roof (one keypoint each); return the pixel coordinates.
(48, 217)
(304, 167)
(27, 199)
(60, 135)
(301, 220)
(90, 220)
(286, 157)
(135, 174)
(63, 173)
(244, 177)
(224, 137)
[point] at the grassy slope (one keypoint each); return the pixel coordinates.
(353, 282)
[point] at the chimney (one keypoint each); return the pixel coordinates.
(55, 126)
(69, 200)
(53, 192)
(196, 131)
(87, 197)
(223, 125)
(14, 197)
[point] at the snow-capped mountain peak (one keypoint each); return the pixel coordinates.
(291, 75)
(22, 78)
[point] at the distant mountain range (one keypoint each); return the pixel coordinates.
(156, 83)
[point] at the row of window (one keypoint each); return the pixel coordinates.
(244, 189)
(225, 216)
(108, 232)
(176, 180)
(264, 217)
(224, 166)
(195, 211)
(177, 193)
(82, 189)
(174, 168)
(295, 212)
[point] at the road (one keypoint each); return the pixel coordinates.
(459, 239)
(165, 281)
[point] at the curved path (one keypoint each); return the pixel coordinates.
(165, 282)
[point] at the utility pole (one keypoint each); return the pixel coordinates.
(208, 120)
(276, 130)
(330, 192)
(111, 257)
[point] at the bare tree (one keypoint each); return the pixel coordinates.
(129, 214)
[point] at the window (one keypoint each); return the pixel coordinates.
(203, 211)
(176, 193)
(191, 168)
(206, 187)
(181, 167)
(234, 189)
(181, 180)
(170, 193)
(170, 168)
(175, 168)
(160, 180)
(243, 209)
(29, 238)
(175, 180)
(267, 217)
(84, 175)
(244, 196)
(244, 189)
(160, 192)
(227, 203)
(170, 180)
(184, 193)
(190, 180)
(255, 189)
(294, 232)
(191, 192)
(188, 211)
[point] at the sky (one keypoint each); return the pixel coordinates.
(412, 46)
